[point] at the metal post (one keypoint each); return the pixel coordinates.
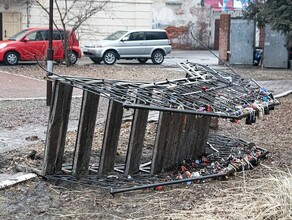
(50, 54)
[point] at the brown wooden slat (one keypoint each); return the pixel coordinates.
(85, 133)
(57, 128)
(188, 138)
(111, 137)
(166, 141)
(204, 133)
(179, 137)
(159, 145)
(195, 135)
(136, 141)
(174, 125)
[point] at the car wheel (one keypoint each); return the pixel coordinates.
(109, 57)
(11, 58)
(96, 60)
(73, 57)
(142, 60)
(157, 57)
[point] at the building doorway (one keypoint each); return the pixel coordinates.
(10, 24)
(216, 40)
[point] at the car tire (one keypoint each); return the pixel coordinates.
(142, 60)
(11, 58)
(73, 57)
(157, 57)
(109, 57)
(96, 60)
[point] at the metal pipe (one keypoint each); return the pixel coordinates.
(113, 192)
(155, 108)
(50, 54)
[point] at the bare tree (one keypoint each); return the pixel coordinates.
(72, 14)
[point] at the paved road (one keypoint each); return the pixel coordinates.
(176, 56)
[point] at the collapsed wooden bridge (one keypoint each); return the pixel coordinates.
(185, 109)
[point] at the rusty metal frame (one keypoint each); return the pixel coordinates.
(227, 94)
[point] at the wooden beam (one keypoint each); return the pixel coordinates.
(57, 128)
(189, 138)
(136, 141)
(111, 137)
(85, 133)
(160, 142)
(174, 125)
(203, 133)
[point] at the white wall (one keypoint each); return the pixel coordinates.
(118, 15)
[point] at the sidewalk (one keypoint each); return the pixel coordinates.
(278, 87)
(14, 86)
(20, 87)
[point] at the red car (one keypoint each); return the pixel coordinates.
(33, 43)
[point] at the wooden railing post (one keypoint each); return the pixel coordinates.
(111, 137)
(85, 133)
(136, 141)
(57, 128)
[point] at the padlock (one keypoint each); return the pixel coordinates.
(266, 110)
(261, 113)
(254, 119)
(248, 120)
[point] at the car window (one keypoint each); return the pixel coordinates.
(33, 36)
(136, 36)
(18, 35)
(45, 35)
(116, 35)
(155, 35)
(38, 35)
(58, 35)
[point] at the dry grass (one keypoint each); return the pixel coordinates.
(266, 198)
(263, 198)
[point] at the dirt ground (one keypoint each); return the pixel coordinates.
(212, 199)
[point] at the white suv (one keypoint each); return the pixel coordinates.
(142, 45)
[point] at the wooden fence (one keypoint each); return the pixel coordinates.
(179, 136)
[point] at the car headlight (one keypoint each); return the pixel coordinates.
(3, 45)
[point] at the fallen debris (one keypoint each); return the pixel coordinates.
(224, 156)
(7, 180)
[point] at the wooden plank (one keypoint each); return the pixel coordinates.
(111, 137)
(57, 128)
(160, 143)
(194, 135)
(188, 137)
(136, 141)
(174, 124)
(202, 132)
(85, 133)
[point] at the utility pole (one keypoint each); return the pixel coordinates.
(50, 54)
